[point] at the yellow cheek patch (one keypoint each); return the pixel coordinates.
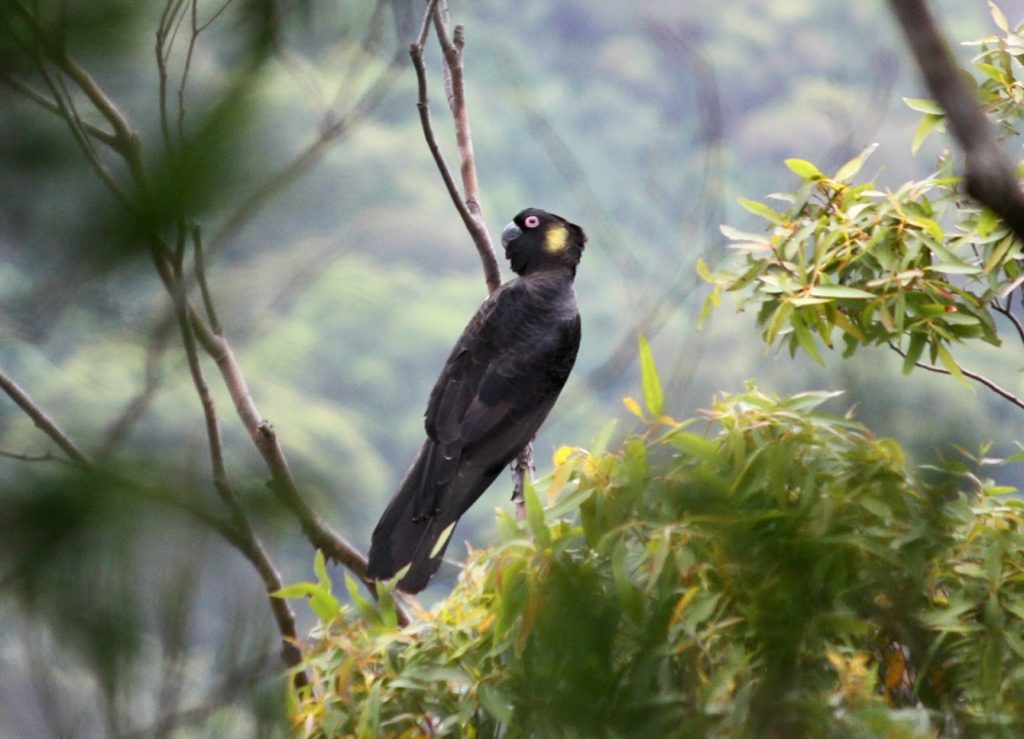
(555, 239)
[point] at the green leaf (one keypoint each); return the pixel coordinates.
(928, 123)
(296, 590)
(993, 72)
(745, 236)
(495, 703)
(987, 222)
(998, 253)
(366, 608)
(949, 363)
(805, 338)
(599, 443)
(839, 291)
(324, 605)
(955, 269)
(917, 343)
(535, 515)
(762, 210)
(704, 272)
(320, 570)
(654, 398)
(999, 17)
(852, 167)
(927, 224)
(924, 105)
(369, 716)
(804, 169)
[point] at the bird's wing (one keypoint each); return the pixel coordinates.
(490, 337)
(499, 383)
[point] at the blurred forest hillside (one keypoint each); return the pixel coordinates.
(342, 275)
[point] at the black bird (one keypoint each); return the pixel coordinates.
(494, 392)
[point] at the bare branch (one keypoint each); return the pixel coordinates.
(210, 21)
(990, 175)
(468, 207)
(162, 51)
(980, 379)
(75, 123)
(428, 17)
(187, 66)
(1005, 310)
(46, 103)
(42, 421)
(249, 544)
(44, 457)
(204, 289)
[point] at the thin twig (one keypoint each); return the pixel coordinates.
(162, 52)
(421, 37)
(990, 175)
(187, 66)
(46, 103)
(204, 289)
(474, 224)
(1008, 313)
(42, 421)
(264, 438)
(980, 379)
(44, 457)
(250, 545)
(78, 457)
(70, 116)
(213, 17)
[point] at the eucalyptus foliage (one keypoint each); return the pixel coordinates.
(922, 267)
(752, 571)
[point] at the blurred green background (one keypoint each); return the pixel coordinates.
(343, 281)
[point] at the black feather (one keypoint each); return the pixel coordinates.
(495, 390)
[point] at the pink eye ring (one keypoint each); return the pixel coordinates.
(531, 221)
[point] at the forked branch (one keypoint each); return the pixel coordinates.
(467, 202)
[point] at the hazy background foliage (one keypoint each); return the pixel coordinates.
(344, 292)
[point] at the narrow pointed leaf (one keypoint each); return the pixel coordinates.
(654, 398)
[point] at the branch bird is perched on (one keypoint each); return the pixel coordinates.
(495, 390)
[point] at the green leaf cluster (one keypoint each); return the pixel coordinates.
(921, 267)
(751, 579)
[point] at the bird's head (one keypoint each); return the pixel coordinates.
(536, 241)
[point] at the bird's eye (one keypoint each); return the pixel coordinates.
(531, 221)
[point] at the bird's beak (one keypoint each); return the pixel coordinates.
(511, 233)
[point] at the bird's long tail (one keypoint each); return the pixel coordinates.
(406, 534)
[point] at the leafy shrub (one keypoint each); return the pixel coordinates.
(922, 267)
(768, 576)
